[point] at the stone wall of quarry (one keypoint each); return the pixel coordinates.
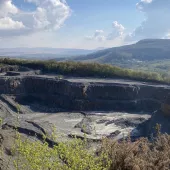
(76, 96)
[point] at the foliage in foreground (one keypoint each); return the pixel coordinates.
(65, 156)
(141, 155)
(86, 69)
(111, 155)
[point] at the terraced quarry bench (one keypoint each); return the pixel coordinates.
(106, 107)
(85, 94)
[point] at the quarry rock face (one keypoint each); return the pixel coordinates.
(165, 108)
(160, 118)
(82, 96)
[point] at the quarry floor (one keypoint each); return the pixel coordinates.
(96, 124)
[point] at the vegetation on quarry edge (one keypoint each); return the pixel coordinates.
(76, 155)
(80, 69)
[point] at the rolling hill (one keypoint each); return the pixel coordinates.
(148, 54)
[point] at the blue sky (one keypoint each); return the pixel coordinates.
(85, 24)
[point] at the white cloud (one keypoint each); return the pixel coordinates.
(119, 27)
(98, 35)
(101, 38)
(49, 15)
(88, 37)
(40, 18)
(118, 31)
(146, 1)
(167, 36)
(156, 23)
(6, 7)
(8, 24)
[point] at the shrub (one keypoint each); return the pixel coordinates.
(64, 156)
(112, 155)
(139, 155)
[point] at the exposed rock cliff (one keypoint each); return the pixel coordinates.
(159, 119)
(85, 96)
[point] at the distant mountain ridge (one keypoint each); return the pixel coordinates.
(144, 50)
(42, 53)
(147, 54)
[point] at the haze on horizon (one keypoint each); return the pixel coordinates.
(82, 24)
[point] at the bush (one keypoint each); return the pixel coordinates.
(139, 155)
(64, 156)
(112, 155)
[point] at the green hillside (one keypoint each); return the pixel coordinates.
(149, 54)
